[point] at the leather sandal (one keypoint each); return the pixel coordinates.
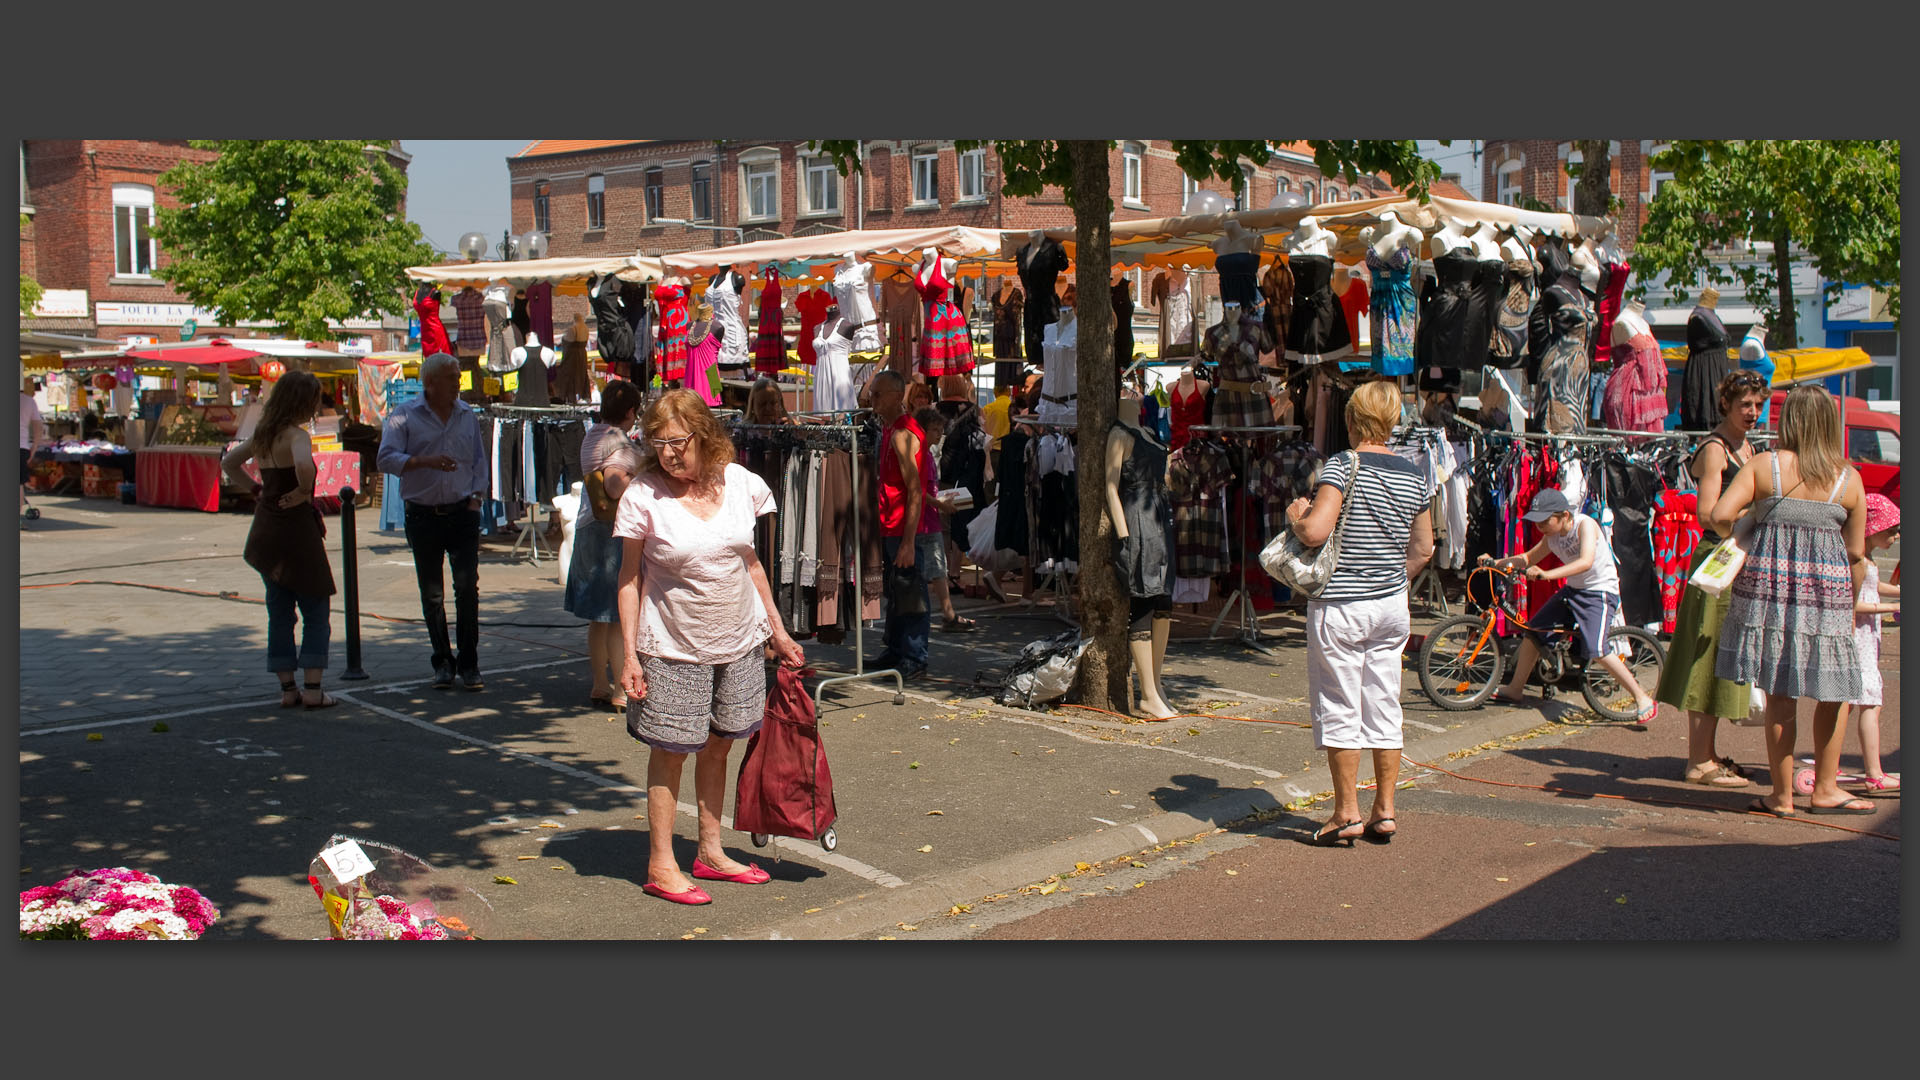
(1717, 775)
(327, 701)
(287, 688)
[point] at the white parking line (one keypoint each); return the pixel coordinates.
(798, 847)
(96, 725)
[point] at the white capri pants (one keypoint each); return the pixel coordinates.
(1353, 672)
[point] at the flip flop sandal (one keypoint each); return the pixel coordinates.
(959, 625)
(1759, 806)
(1843, 808)
(1715, 774)
(1886, 784)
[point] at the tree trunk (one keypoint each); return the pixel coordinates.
(1595, 190)
(1785, 331)
(1102, 681)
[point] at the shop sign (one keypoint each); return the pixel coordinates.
(1858, 303)
(356, 346)
(61, 304)
(120, 313)
(188, 329)
(138, 341)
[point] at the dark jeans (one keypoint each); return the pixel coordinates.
(456, 538)
(906, 635)
(315, 630)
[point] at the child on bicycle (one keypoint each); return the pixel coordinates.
(1586, 601)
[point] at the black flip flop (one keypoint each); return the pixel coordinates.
(1841, 809)
(1759, 806)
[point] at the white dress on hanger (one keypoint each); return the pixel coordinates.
(852, 290)
(1176, 314)
(726, 315)
(1060, 385)
(833, 387)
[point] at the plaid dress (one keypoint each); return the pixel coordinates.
(1279, 478)
(1198, 476)
(1240, 394)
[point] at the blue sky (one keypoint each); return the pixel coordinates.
(455, 186)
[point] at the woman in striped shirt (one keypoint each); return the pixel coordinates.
(1357, 627)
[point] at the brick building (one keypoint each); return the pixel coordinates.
(1516, 169)
(608, 196)
(90, 205)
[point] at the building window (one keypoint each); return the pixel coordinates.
(1132, 158)
(656, 193)
(134, 251)
(823, 186)
(762, 183)
(1573, 158)
(541, 221)
(926, 175)
(1282, 186)
(1312, 193)
(1507, 184)
(596, 201)
(26, 203)
(973, 174)
(1333, 194)
(702, 191)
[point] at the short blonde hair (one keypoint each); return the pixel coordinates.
(716, 449)
(1373, 411)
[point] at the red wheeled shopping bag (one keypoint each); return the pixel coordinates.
(784, 788)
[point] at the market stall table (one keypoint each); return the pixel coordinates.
(187, 477)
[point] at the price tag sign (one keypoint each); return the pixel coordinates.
(347, 861)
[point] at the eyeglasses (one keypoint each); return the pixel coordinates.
(678, 445)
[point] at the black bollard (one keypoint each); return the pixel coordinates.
(350, 571)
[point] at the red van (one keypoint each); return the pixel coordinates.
(1872, 441)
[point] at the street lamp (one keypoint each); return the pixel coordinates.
(741, 233)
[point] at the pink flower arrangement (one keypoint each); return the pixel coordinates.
(387, 918)
(115, 904)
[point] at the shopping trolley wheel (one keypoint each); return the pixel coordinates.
(1803, 781)
(829, 839)
(33, 514)
(761, 839)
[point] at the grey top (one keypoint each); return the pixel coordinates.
(1148, 559)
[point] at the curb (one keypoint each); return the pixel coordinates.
(914, 901)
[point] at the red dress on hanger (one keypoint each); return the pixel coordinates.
(769, 345)
(674, 324)
(945, 346)
(433, 332)
(813, 305)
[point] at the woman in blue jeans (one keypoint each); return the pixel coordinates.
(287, 543)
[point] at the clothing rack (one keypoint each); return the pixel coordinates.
(1240, 602)
(1056, 578)
(1428, 582)
(851, 432)
(529, 535)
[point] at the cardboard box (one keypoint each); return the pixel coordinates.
(100, 482)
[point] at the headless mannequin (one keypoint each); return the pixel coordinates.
(1518, 245)
(1610, 248)
(1146, 638)
(1451, 236)
(1310, 239)
(1586, 260)
(1631, 322)
(1391, 235)
(1238, 239)
(1486, 242)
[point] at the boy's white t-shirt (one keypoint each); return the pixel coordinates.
(697, 603)
(1603, 575)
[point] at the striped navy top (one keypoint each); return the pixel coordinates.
(1373, 546)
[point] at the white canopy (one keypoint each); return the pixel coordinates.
(556, 271)
(889, 246)
(1189, 240)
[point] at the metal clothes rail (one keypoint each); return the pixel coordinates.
(860, 674)
(529, 534)
(1241, 601)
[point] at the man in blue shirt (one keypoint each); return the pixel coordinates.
(433, 445)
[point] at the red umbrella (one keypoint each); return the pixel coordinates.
(206, 355)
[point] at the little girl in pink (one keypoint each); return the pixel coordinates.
(1883, 530)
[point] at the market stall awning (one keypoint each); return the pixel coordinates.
(1188, 241)
(894, 247)
(1794, 365)
(208, 354)
(563, 273)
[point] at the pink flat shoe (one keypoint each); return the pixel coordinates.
(752, 875)
(695, 895)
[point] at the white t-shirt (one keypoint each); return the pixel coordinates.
(1603, 575)
(29, 415)
(697, 603)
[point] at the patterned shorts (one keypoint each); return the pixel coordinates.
(686, 703)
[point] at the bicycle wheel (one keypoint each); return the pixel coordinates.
(1644, 657)
(1457, 669)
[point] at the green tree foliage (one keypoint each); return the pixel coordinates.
(30, 290)
(1080, 170)
(290, 232)
(1837, 202)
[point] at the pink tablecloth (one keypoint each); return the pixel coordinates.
(182, 476)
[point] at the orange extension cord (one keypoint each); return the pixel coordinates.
(1688, 803)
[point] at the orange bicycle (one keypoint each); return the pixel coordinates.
(1464, 658)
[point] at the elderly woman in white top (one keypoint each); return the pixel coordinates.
(696, 609)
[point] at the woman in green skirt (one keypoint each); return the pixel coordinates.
(1687, 681)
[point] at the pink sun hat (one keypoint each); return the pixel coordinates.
(1882, 513)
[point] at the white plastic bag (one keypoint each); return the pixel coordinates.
(980, 534)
